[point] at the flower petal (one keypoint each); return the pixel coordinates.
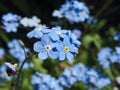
(43, 56)
(61, 56)
(38, 47)
(45, 40)
(53, 54)
(54, 37)
(70, 56)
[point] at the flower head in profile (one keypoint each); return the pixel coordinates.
(46, 48)
(10, 68)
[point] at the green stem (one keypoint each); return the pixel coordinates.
(20, 70)
(19, 74)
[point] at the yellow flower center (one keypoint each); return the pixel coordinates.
(73, 12)
(57, 32)
(11, 25)
(66, 49)
(83, 13)
(47, 48)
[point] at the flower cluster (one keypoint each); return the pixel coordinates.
(45, 82)
(56, 43)
(73, 10)
(30, 22)
(70, 75)
(83, 74)
(10, 22)
(106, 56)
(19, 52)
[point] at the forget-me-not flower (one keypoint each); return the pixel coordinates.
(46, 48)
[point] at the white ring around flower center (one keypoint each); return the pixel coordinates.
(47, 48)
(57, 32)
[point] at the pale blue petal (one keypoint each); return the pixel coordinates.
(38, 34)
(53, 54)
(45, 40)
(61, 55)
(43, 56)
(70, 56)
(54, 37)
(30, 34)
(66, 41)
(38, 47)
(46, 30)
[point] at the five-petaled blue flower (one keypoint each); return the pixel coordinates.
(46, 48)
(66, 49)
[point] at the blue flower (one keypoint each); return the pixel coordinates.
(102, 82)
(45, 82)
(66, 49)
(103, 57)
(56, 33)
(115, 57)
(117, 36)
(10, 27)
(117, 49)
(74, 11)
(46, 48)
(37, 32)
(91, 20)
(74, 39)
(9, 17)
(2, 52)
(16, 50)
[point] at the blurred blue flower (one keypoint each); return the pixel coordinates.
(103, 57)
(10, 22)
(57, 13)
(91, 20)
(74, 11)
(2, 52)
(115, 57)
(9, 17)
(10, 27)
(102, 82)
(16, 50)
(46, 48)
(30, 22)
(45, 82)
(117, 36)
(37, 32)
